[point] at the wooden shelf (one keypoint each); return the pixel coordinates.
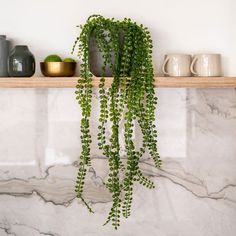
(160, 82)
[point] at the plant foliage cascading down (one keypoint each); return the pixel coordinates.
(131, 98)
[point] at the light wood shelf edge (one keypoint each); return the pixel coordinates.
(160, 82)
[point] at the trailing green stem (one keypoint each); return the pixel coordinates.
(126, 49)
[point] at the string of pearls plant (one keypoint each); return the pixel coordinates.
(131, 97)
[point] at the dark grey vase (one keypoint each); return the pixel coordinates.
(4, 53)
(96, 60)
(21, 62)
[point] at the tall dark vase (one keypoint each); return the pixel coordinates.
(96, 60)
(4, 53)
(21, 62)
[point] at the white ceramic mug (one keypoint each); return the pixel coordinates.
(177, 65)
(206, 65)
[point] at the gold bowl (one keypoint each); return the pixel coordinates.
(58, 69)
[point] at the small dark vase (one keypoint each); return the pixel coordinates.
(21, 62)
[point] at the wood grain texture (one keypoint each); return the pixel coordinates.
(160, 82)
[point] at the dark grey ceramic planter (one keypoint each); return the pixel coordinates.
(21, 62)
(4, 53)
(96, 60)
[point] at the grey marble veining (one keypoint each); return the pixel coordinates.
(195, 190)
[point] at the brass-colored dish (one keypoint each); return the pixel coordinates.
(58, 69)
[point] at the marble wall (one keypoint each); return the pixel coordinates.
(195, 189)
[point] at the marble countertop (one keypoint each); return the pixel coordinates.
(195, 190)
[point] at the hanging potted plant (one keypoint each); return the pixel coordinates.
(125, 50)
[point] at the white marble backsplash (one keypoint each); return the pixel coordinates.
(195, 189)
